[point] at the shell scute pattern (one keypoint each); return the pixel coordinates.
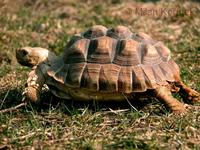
(127, 53)
(116, 59)
(74, 74)
(125, 80)
(163, 51)
(150, 55)
(77, 52)
(138, 79)
(150, 76)
(90, 76)
(120, 32)
(167, 71)
(95, 32)
(108, 78)
(101, 50)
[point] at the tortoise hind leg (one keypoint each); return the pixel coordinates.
(164, 95)
(187, 93)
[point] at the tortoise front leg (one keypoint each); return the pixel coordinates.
(187, 93)
(164, 95)
(34, 85)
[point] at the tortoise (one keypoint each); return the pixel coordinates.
(107, 64)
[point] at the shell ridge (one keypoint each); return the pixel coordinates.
(103, 81)
(159, 76)
(51, 71)
(175, 69)
(138, 80)
(108, 77)
(164, 66)
(163, 51)
(150, 55)
(149, 76)
(90, 76)
(127, 53)
(125, 80)
(61, 74)
(77, 52)
(84, 77)
(100, 50)
(74, 74)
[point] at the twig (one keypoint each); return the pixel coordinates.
(4, 98)
(84, 111)
(118, 111)
(13, 108)
(25, 136)
(129, 102)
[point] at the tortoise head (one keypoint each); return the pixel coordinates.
(31, 56)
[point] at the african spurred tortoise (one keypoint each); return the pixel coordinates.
(106, 64)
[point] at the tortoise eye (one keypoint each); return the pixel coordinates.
(24, 52)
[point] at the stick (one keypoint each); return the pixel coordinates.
(129, 102)
(13, 108)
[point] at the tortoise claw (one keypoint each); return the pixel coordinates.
(164, 95)
(180, 110)
(31, 94)
(194, 96)
(189, 95)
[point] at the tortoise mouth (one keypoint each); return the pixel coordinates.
(25, 63)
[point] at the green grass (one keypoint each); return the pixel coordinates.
(55, 123)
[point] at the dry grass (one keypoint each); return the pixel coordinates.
(57, 124)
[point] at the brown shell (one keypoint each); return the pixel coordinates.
(114, 60)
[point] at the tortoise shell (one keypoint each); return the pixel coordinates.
(114, 60)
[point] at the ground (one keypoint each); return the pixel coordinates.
(57, 124)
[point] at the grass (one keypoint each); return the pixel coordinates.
(60, 124)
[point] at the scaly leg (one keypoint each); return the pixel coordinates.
(34, 85)
(188, 94)
(164, 95)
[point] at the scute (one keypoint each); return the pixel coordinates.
(150, 76)
(77, 52)
(95, 31)
(150, 55)
(73, 39)
(120, 32)
(138, 79)
(144, 38)
(159, 76)
(127, 53)
(108, 77)
(101, 50)
(125, 80)
(90, 76)
(175, 69)
(61, 74)
(114, 60)
(98, 77)
(163, 51)
(74, 74)
(164, 66)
